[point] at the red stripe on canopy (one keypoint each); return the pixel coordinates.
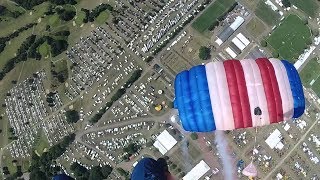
(271, 89)
(238, 94)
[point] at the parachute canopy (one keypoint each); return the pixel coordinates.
(148, 168)
(238, 94)
(250, 171)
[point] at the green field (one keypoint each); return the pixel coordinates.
(26, 18)
(310, 75)
(266, 14)
(290, 38)
(316, 87)
(255, 27)
(79, 18)
(310, 7)
(102, 18)
(41, 143)
(54, 20)
(11, 49)
(310, 72)
(211, 14)
(44, 49)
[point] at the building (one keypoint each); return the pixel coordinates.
(274, 139)
(164, 142)
(197, 172)
(228, 31)
(231, 52)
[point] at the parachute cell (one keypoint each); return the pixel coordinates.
(225, 95)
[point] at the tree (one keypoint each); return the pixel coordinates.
(204, 53)
(179, 170)
(106, 171)
(286, 3)
(37, 174)
(95, 173)
(182, 174)
(173, 166)
(67, 15)
(194, 136)
(72, 116)
(305, 20)
(78, 170)
(149, 143)
(122, 172)
(263, 43)
(315, 32)
(275, 54)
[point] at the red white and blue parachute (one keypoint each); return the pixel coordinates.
(238, 94)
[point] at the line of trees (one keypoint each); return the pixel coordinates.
(95, 173)
(41, 168)
(31, 3)
(215, 23)
(4, 11)
(65, 15)
(91, 15)
(29, 49)
(204, 53)
(134, 77)
(5, 39)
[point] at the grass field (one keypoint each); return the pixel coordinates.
(41, 143)
(310, 72)
(80, 16)
(290, 38)
(44, 49)
(102, 18)
(265, 13)
(9, 27)
(316, 87)
(210, 15)
(54, 20)
(255, 27)
(11, 49)
(310, 7)
(310, 75)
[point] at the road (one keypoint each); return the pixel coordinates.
(79, 135)
(279, 164)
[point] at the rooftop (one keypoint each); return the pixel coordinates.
(164, 142)
(197, 172)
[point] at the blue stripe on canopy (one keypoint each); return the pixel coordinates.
(193, 100)
(296, 88)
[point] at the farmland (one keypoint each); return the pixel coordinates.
(211, 14)
(265, 13)
(290, 38)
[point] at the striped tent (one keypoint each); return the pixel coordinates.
(227, 95)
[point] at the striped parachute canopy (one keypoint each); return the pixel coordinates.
(238, 94)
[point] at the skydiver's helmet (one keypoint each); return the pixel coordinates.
(150, 169)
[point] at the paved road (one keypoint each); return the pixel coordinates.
(289, 153)
(79, 135)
